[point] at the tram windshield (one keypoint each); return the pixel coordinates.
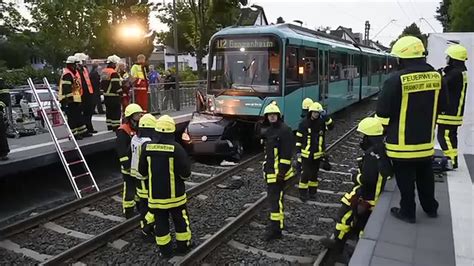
(250, 65)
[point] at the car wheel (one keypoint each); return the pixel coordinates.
(239, 150)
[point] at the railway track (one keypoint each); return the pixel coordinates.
(219, 200)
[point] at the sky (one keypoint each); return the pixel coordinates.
(350, 14)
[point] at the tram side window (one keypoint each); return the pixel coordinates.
(365, 65)
(338, 62)
(375, 65)
(310, 61)
(357, 67)
(292, 76)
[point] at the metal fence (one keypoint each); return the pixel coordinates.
(163, 96)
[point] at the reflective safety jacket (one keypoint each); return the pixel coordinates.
(124, 136)
(310, 137)
(456, 80)
(85, 80)
(279, 143)
(70, 88)
(110, 82)
(136, 148)
(408, 106)
(167, 165)
(374, 170)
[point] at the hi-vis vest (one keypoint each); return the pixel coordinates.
(455, 119)
(412, 136)
(136, 146)
(76, 86)
(107, 76)
(85, 72)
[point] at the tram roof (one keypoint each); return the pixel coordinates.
(290, 31)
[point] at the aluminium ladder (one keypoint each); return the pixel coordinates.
(69, 152)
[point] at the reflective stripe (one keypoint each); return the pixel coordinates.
(328, 122)
(343, 227)
(163, 240)
(123, 159)
(275, 216)
(450, 151)
(280, 205)
(111, 94)
(384, 121)
(318, 155)
(275, 164)
(303, 185)
(450, 117)
(126, 203)
(448, 122)
(285, 161)
(298, 144)
(125, 171)
(66, 82)
(463, 93)
(172, 177)
(410, 155)
(313, 183)
(166, 203)
(378, 188)
(160, 147)
(184, 236)
(299, 134)
(412, 147)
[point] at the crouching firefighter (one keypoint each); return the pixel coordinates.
(167, 165)
(145, 133)
(310, 146)
(369, 182)
(279, 143)
(125, 132)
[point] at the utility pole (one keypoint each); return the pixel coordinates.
(175, 35)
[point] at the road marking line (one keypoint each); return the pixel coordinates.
(10, 245)
(63, 230)
(87, 210)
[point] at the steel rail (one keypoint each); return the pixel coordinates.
(56, 212)
(201, 251)
(113, 233)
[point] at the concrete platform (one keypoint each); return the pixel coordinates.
(444, 241)
(31, 152)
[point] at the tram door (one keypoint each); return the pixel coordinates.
(323, 75)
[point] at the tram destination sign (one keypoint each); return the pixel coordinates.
(244, 43)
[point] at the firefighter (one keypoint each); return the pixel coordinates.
(448, 122)
(5, 102)
(139, 77)
(278, 143)
(407, 107)
(111, 86)
(125, 132)
(70, 96)
(305, 107)
(167, 165)
(310, 146)
(88, 95)
(146, 132)
(369, 181)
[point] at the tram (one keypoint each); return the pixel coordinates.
(250, 67)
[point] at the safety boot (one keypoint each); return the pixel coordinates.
(312, 192)
(129, 213)
(303, 195)
(272, 234)
(166, 251)
(183, 247)
(147, 234)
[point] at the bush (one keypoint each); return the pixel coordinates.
(16, 77)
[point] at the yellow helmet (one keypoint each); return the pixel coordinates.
(306, 103)
(370, 126)
(408, 47)
(147, 121)
(165, 124)
(457, 52)
(315, 107)
(132, 108)
(272, 108)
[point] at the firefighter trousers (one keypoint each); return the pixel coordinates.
(88, 105)
(181, 225)
(113, 112)
(75, 119)
(407, 173)
(146, 218)
(448, 140)
(275, 201)
(128, 198)
(141, 97)
(4, 149)
(309, 176)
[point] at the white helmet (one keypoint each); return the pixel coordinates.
(81, 57)
(71, 60)
(113, 59)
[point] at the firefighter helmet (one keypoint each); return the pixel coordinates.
(113, 59)
(272, 109)
(165, 124)
(408, 47)
(132, 108)
(316, 107)
(457, 52)
(147, 121)
(71, 60)
(306, 103)
(370, 126)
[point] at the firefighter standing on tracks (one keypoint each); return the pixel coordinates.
(70, 96)
(408, 106)
(5, 102)
(369, 181)
(304, 112)
(167, 165)
(88, 96)
(125, 132)
(111, 86)
(449, 121)
(279, 144)
(310, 146)
(146, 132)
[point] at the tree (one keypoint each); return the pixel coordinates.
(280, 20)
(197, 21)
(461, 13)
(412, 30)
(443, 14)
